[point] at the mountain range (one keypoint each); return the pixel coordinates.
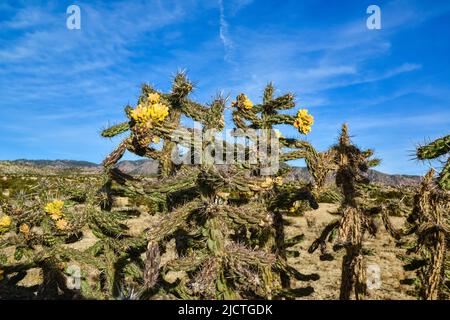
(150, 167)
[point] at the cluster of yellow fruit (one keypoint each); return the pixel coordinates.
(304, 121)
(5, 222)
(54, 209)
(153, 111)
(242, 101)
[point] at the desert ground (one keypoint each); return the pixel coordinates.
(384, 254)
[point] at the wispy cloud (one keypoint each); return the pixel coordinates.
(223, 33)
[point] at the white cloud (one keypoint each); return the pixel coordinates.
(223, 33)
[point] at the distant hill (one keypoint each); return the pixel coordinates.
(54, 167)
(150, 167)
(374, 176)
(55, 163)
(139, 167)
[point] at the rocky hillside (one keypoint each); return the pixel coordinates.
(150, 167)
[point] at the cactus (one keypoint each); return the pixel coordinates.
(438, 148)
(265, 116)
(226, 222)
(154, 111)
(42, 224)
(428, 222)
(201, 206)
(356, 216)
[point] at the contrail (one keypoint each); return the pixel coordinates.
(223, 33)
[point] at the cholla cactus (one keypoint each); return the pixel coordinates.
(213, 212)
(356, 218)
(430, 223)
(438, 148)
(265, 116)
(158, 114)
(39, 228)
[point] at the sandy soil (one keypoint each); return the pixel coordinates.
(327, 287)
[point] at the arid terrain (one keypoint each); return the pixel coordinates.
(382, 250)
(327, 287)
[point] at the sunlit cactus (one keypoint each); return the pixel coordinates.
(283, 198)
(429, 223)
(207, 207)
(347, 232)
(156, 111)
(434, 150)
(41, 227)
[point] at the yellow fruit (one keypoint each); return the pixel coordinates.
(153, 97)
(24, 228)
(54, 208)
(5, 221)
(61, 224)
(145, 115)
(1, 274)
(304, 121)
(158, 112)
(242, 101)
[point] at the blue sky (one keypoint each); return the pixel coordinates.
(60, 87)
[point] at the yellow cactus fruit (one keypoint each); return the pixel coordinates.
(24, 228)
(304, 121)
(278, 134)
(153, 97)
(242, 101)
(267, 183)
(54, 209)
(5, 223)
(61, 224)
